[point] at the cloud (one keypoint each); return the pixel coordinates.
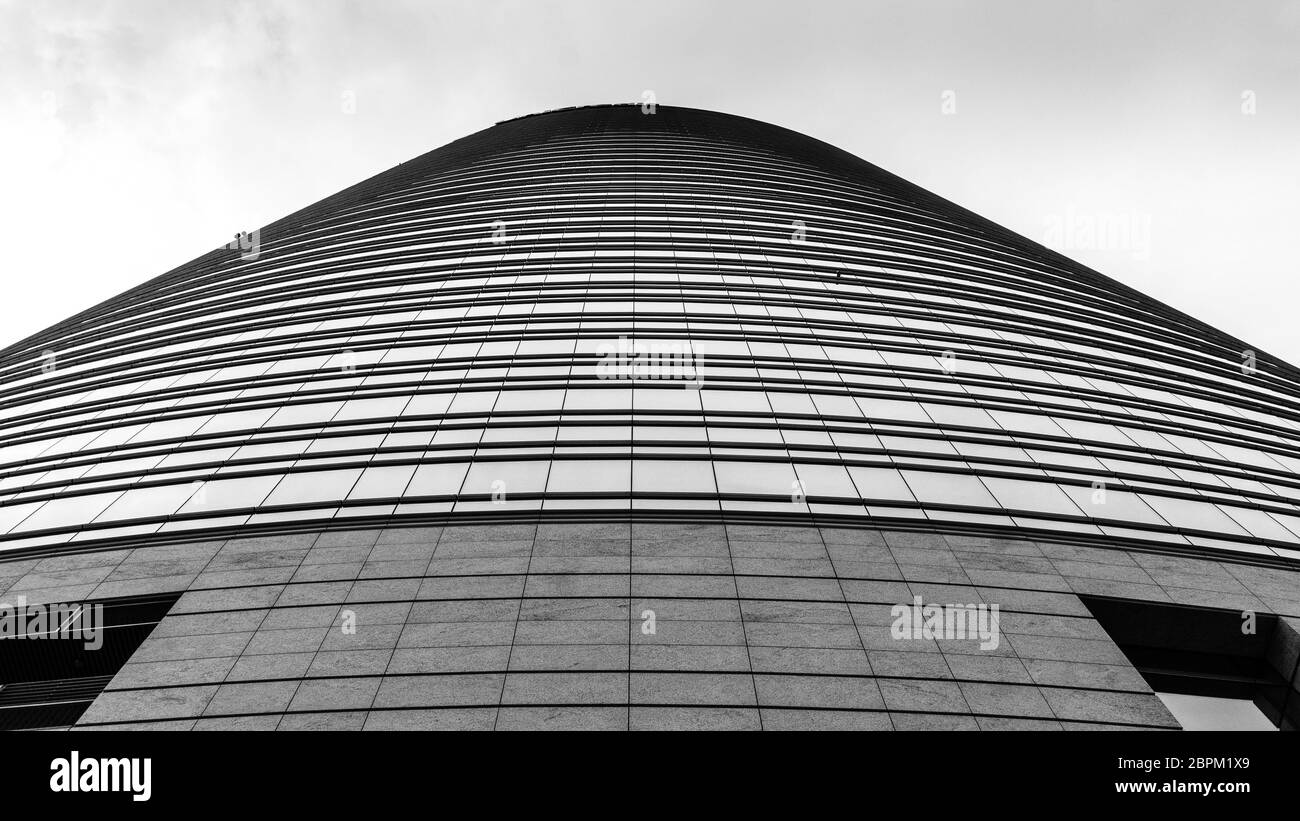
(150, 131)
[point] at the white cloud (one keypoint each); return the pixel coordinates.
(177, 124)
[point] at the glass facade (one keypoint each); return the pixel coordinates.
(602, 312)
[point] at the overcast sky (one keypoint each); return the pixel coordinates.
(135, 136)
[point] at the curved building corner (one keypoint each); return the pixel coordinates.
(601, 418)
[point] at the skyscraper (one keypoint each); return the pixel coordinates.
(638, 416)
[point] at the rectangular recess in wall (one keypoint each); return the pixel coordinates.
(47, 683)
(1206, 651)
